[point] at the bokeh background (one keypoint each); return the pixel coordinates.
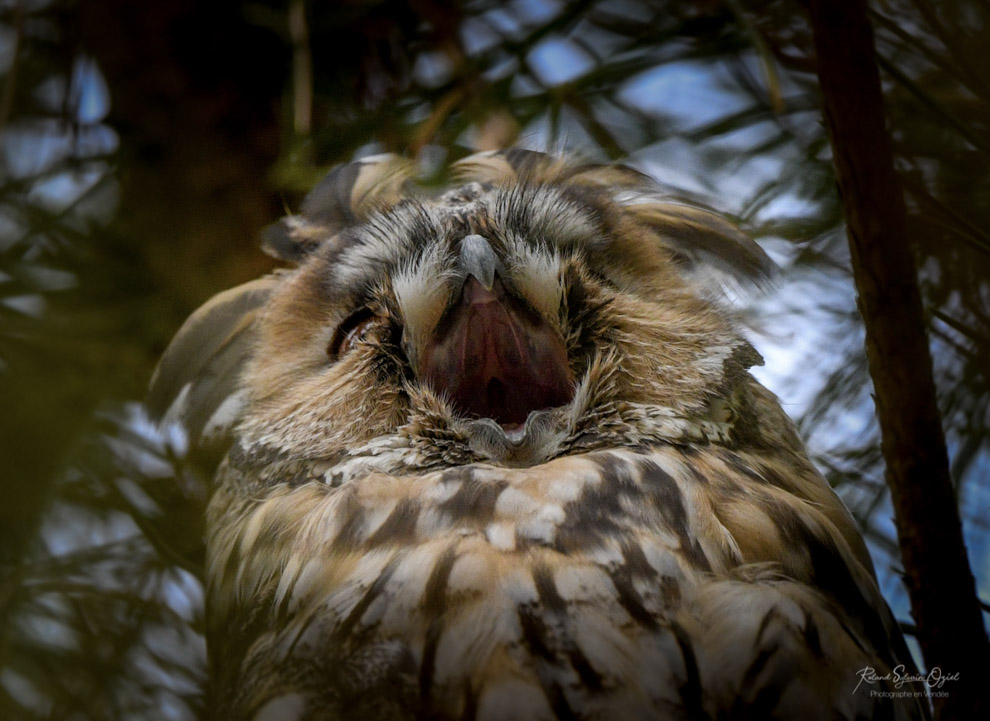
(144, 145)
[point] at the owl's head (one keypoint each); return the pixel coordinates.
(534, 307)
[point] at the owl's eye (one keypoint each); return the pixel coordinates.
(353, 329)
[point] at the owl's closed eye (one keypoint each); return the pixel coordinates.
(494, 452)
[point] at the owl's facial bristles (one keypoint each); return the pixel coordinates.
(422, 289)
(536, 276)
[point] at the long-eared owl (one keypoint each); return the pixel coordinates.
(494, 452)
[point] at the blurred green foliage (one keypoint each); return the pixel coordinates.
(143, 146)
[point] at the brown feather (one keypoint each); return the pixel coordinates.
(201, 367)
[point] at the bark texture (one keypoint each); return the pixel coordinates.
(937, 572)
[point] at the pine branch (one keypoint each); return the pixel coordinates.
(937, 572)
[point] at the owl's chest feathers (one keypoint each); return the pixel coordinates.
(586, 566)
(661, 518)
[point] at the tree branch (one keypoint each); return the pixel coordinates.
(937, 573)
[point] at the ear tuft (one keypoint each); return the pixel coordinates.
(345, 197)
(292, 238)
(505, 167)
(614, 178)
(701, 238)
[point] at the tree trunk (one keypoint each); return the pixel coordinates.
(937, 572)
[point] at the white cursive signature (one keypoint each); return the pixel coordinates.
(936, 678)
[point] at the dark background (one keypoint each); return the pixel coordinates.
(143, 145)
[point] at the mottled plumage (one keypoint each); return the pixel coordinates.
(496, 454)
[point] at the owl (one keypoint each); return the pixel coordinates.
(492, 451)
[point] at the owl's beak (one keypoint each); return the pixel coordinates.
(492, 355)
(478, 260)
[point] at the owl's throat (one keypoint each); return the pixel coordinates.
(494, 357)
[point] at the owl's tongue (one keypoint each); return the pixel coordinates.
(495, 358)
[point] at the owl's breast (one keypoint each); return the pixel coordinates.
(586, 587)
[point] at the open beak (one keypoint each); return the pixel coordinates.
(492, 355)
